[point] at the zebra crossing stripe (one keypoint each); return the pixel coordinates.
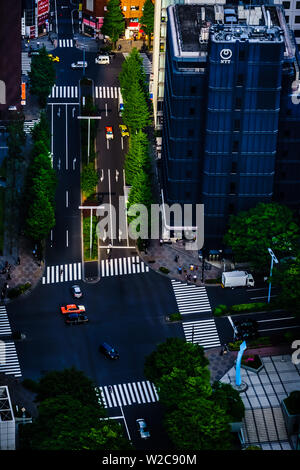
(202, 332)
(107, 92)
(122, 266)
(5, 328)
(62, 273)
(65, 42)
(10, 365)
(190, 298)
(127, 394)
(64, 91)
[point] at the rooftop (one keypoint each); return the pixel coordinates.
(192, 25)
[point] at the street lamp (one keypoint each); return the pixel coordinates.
(273, 258)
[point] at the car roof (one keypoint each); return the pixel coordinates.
(107, 346)
(108, 128)
(73, 315)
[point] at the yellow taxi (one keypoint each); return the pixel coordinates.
(124, 130)
(54, 58)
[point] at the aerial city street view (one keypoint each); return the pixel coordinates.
(149, 227)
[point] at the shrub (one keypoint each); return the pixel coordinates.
(253, 448)
(175, 316)
(252, 361)
(248, 307)
(13, 293)
(292, 402)
(235, 346)
(220, 310)
(164, 270)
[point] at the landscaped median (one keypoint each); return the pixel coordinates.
(221, 309)
(89, 175)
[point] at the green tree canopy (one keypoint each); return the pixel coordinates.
(174, 353)
(89, 178)
(226, 397)
(147, 19)
(136, 113)
(137, 159)
(113, 23)
(198, 424)
(41, 131)
(252, 232)
(42, 76)
(40, 218)
(287, 277)
(133, 73)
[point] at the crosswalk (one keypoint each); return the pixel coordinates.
(28, 125)
(121, 266)
(190, 298)
(132, 393)
(107, 92)
(4, 322)
(63, 273)
(26, 63)
(9, 362)
(64, 91)
(66, 43)
(202, 332)
(147, 65)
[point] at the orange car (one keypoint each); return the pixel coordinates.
(72, 308)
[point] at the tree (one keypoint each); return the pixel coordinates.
(42, 76)
(174, 352)
(287, 277)
(198, 424)
(89, 178)
(137, 159)
(252, 232)
(113, 23)
(67, 382)
(226, 397)
(40, 218)
(147, 19)
(133, 73)
(136, 112)
(41, 131)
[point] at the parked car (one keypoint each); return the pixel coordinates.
(80, 64)
(76, 319)
(54, 58)
(109, 351)
(76, 291)
(111, 54)
(31, 53)
(142, 428)
(72, 308)
(102, 59)
(246, 329)
(109, 132)
(124, 130)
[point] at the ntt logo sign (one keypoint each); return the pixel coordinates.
(225, 55)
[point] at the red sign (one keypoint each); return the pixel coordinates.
(43, 7)
(42, 19)
(32, 32)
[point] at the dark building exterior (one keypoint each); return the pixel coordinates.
(10, 56)
(35, 18)
(230, 126)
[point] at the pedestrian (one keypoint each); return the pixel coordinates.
(160, 242)
(61, 270)
(110, 388)
(176, 259)
(179, 269)
(8, 277)
(18, 260)
(195, 277)
(192, 267)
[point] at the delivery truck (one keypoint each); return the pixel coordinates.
(237, 279)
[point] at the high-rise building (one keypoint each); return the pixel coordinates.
(10, 56)
(228, 139)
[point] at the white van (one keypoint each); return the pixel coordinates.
(79, 65)
(102, 59)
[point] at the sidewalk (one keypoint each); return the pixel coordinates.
(158, 255)
(29, 269)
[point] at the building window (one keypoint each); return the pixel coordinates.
(193, 90)
(90, 5)
(190, 153)
(191, 133)
(231, 208)
(284, 153)
(241, 54)
(233, 167)
(297, 19)
(125, 8)
(134, 8)
(192, 111)
(286, 5)
(188, 174)
(236, 125)
(298, 5)
(283, 175)
(238, 103)
(187, 195)
(240, 79)
(163, 19)
(297, 33)
(287, 18)
(232, 189)
(287, 133)
(162, 47)
(235, 146)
